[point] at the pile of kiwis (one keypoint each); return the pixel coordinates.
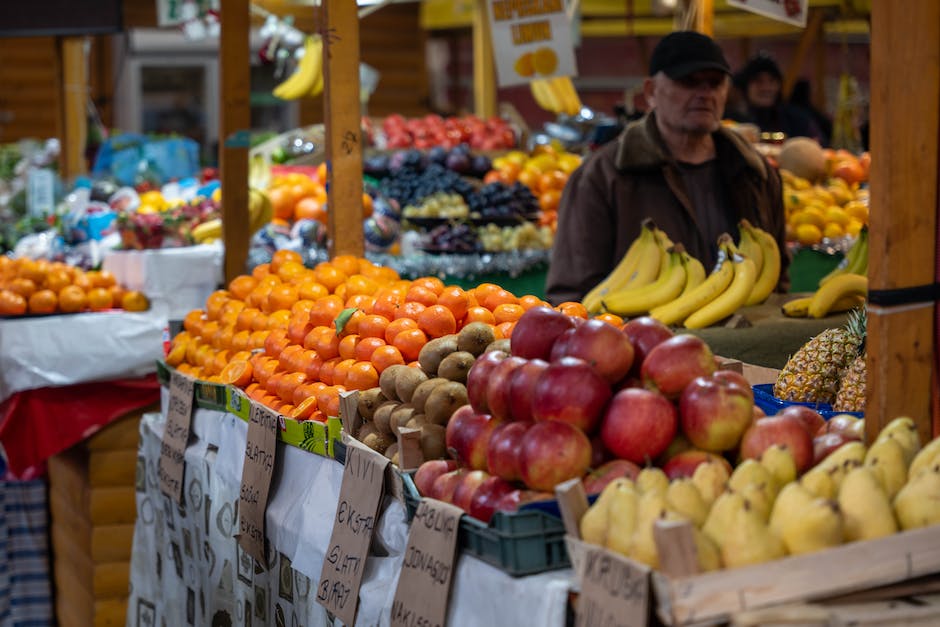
(424, 398)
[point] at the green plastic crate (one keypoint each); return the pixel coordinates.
(520, 543)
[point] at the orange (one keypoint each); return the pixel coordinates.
(347, 346)
(358, 284)
(81, 279)
(257, 339)
(102, 278)
(352, 323)
(298, 328)
(483, 290)
(134, 301)
(242, 285)
(23, 287)
(366, 346)
(326, 370)
(330, 276)
(282, 256)
(310, 208)
(437, 321)
(610, 318)
(372, 325)
(290, 358)
(455, 299)
(507, 313)
(366, 205)
(304, 409)
(410, 310)
(302, 306)
(312, 363)
(361, 375)
(504, 329)
(385, 356)
(275, 343)
(499, 297)
(11, 303)
(325, 310)
(420, 294)
(529, 301)
(241, 341)
(386, 305)
(305, 391)
(288, 383)
(340, 370)
(574, 309)
(309, 289)
(410, 342)
(282, 203)
(279, 319)
(261, 270)
(362, 302)
(57, 279)
(292, 272)
(281, 296)
(237, 372)
(99, 299)
(431, 283)
(176, 355)
(328, 400)
(549, 199)
(72, 299)
(347, 264)
(326, 343)
(340, 291)
(245, 318)
(397, 326)
(479, 314)
(273, 382)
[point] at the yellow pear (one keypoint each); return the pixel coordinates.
(652, 506)
(709, 556)
(792, 499)
(865, 507)
(752, 472)
(886, 458)
(814, 526)
(918, 502)
(842, 460)
(749, 540)
(761, 497)
(710, 478)
(905, 432)
(596, 519)
(719, 517)
(652, 479)
(621, 517)
(819, 483)
(683, 498)
(925, 459)
(779, 461)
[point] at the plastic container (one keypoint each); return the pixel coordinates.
(525, 542)
(765, 399)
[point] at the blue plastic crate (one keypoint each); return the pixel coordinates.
(770, 404)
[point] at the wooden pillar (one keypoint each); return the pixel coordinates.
(810, 35)
(819, 75)
(705, 17)
(343, 136)
(484, 67)
(74, 102)
(234, 126)
(905, 114)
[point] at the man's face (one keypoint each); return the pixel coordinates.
(763, 89)
(693, 104)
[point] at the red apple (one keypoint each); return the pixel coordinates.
(522, 388)
(569, 390)
(735, 378)
(679, 444)
(498, 390)
(715, 412)
(596, 480)
(645, 333)
(479, 377)
(810, 418)
(840, 423)
(487, 496)
(757, 412)
(512, 501)
(785, 430)
(443, 487)
(560, 346)
(824, 445)
(429, 471)
(858, 429)
(468, 436)
(638, 425)
(536, 331)
(466, 487)
(685, 463)
(502, 453)
(553, 452)
(604, 347)
(672, 364)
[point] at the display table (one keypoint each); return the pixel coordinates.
(188, 569)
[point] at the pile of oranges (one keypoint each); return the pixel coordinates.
(294, 338)
(296, 196)
(30, 286)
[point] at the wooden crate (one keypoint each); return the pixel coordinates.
(93, 510)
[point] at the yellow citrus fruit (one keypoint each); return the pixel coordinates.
(808, 234)
(545, 61)
(837, 215)
(833, 231)
(853, 228)
(524, 65)
(810, 215)
(857, 210)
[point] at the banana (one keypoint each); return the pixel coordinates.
(545, 96)
(855, 260)
(208, 230)
(730, 300)
(650, 262)
(299, 84)
(260, 210)
(622, 273)
(769, 275)
(716, 283)
(664, 289)
(695, 273)
(564, 88)
(316, 87)
(841, 285)
(799, 307)
(749, 245)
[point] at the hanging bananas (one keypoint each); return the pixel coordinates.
(557, 95)
(307, 79)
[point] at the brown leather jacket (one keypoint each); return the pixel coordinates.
(634, 177)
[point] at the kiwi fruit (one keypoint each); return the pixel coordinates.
(421, 392)
(400, 417)
(366, 429)
(432, 441)
(475, 337)
(436, 350)
(383, 416)
(407, 381)
(418, 420)
(499, 345)
(392, 452)
(456, 366)
(444, 401)
(378, 441)
(369, 400)
(388, 380)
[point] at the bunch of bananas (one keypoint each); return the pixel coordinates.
(557, 95)
(843, 289)
(260, 213)
(663, 280)
(307, 79)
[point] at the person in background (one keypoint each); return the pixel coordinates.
(677, 165)
(800, 98)
(761, 84)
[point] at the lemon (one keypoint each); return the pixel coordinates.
(853, 228)
(833, 231)
(857, 210)
(837, 215)
(808, 234)
(809, 215)
(524, 65)
(824, 195)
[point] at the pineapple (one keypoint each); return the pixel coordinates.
(812, 374)
(851, 395)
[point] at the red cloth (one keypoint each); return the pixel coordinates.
(37, 424)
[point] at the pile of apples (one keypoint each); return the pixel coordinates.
(432, 130)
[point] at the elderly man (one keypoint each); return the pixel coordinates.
(677, 165)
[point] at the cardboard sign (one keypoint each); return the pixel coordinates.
(789, 11)
(614, 590)
(531, 40)
(176, 436)
(353, 525)
(423, 591)
(260, 452)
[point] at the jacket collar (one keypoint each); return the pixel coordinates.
(642, 148)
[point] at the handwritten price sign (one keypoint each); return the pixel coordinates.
(614, 590)
(176, 436)
(260, 452)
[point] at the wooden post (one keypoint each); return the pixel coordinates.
(340, 30)
(484, 67)
(234, 127)
(905, 114)
(811, 34)
(74, 102)
(705, 17)
(819, 76)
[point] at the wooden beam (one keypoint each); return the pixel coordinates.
(74, 102)
(705, 17)
(905, 114)
(484, 67)
(811, 34)
(340, 29)
(234, 126)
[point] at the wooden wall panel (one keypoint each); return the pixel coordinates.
(29, 88)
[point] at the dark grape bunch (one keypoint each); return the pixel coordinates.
(452, 238)
(410, 186)
(500, 201)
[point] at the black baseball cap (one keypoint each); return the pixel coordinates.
(684, 52)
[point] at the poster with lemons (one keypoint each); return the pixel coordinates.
(531, 40)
